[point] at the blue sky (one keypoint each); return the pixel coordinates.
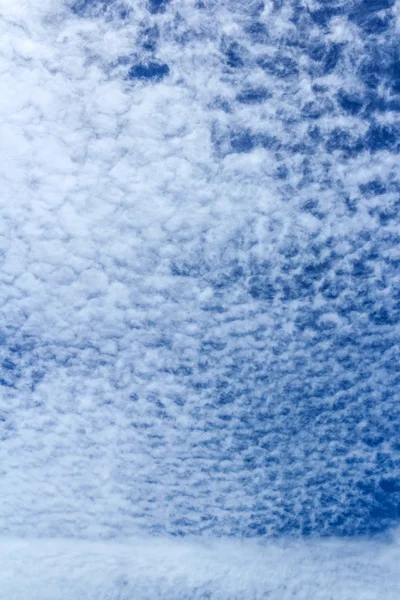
(200, 290)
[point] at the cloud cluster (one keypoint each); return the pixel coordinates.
(199, 242)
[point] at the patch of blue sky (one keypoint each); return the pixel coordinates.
(98, 8)
(151, 71)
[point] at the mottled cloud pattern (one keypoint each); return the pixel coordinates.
(200, 252)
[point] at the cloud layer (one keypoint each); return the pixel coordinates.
(179, 570)
(200, 299)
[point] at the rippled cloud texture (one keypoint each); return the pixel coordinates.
(200, 290)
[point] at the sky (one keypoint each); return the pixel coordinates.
(199, 298)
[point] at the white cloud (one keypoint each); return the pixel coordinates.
(147, 569)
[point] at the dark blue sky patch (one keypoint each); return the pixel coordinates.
(331, 58)
(124, 61)
(279, 65)
(343, 141)
(5, 382)
(282, 172)
(381, 68)
(367, 9)
(10, 372)
(326, 56)
(86, 7)
(260, 288)
(268, 141)
(221, 104)
(186, 269)
(309, 205)
(384, 316)
(383, 137)
(388, 214)
(375, 5)
(350, 103)
(394, 74)
(278, 4)
(234, 55)
(157, 6)
(365, 15)
(243, 141)
(96, 8)
(8, 364)
(258, 33)
(323, 16)
(255, 95)
(375, 187)
(316, 50)
(315, 135)
(375, 25)
(151, 71)
(149, 38)
(315, 109)
(370, 74)
(362, 268)
(390, 485)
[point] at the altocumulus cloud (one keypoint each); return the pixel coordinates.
(200, 299)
